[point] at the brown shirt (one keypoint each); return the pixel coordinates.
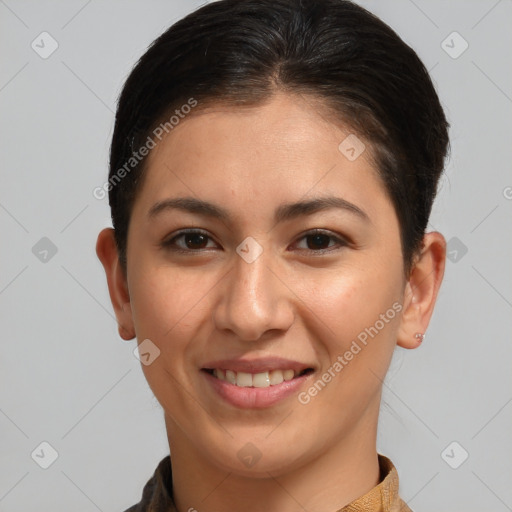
(157, 493)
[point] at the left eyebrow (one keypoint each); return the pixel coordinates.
(292, 210)
(283, 213)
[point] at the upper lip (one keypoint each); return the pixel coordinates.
(256, 365)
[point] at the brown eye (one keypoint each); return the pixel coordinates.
(318, 241)
(195, 240)
(321, 241)
(188, 241)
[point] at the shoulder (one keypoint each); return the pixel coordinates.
(157, 493)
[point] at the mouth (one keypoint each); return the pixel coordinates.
(263, 379)
(255, 383)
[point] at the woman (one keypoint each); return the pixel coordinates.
(273, 168)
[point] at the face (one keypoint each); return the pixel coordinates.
(238, 289)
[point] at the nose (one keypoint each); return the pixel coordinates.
(253, 300)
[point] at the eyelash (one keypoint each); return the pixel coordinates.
(170, 244)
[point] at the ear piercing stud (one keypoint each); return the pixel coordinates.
(419, 336)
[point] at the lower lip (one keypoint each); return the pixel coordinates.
(255, 398)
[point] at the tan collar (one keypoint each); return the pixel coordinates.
(384, 497)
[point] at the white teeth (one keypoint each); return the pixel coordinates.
(219, 374)
(261, 380)
(288, 374)
(257, 380)
(243, 379)
(230, 376)
(276, 377)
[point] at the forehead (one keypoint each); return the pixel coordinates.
(284, 147)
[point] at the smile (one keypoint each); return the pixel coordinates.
(257, 380)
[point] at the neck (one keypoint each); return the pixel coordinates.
(345, 471)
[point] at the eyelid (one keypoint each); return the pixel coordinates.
(168, 242)
(340, 240)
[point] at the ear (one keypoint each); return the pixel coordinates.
(106, 249)
(421, 290)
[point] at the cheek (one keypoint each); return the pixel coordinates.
(169, 306)
(162, 294)
(362, 311)
(167, 309)
(349, 300)
(363, 321)
(155, 305)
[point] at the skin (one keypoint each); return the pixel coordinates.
(290, 302)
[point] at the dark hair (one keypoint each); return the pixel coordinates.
(240, 52)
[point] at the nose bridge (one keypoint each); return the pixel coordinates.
(254, 301)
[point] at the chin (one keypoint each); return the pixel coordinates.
(258, 456)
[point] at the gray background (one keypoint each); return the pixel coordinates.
(66, 377)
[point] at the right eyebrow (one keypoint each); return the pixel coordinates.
(190, 205)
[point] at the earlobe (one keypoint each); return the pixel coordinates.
(106, 251)
(419, 336)
(421, 291)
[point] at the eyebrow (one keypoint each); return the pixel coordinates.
(283, 213)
